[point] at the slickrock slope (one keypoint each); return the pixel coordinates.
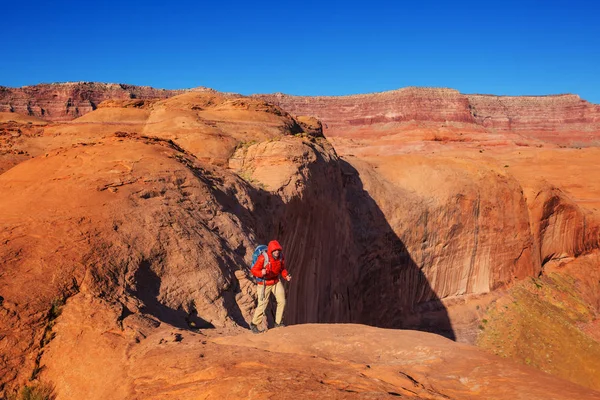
(303, 361)
(530, 323)
(66, 101)
(130, 219)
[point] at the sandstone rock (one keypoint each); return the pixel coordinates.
(531, 322)
(320, 361)
(66, 101)
(132, 221)
(561, 228)
(15, 132)
(311, 125)
(560, 119)
(140, 217)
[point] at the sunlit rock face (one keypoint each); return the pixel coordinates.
(66, 101)
(129, 226)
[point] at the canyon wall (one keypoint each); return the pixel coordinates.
(67, 101)
(543, 117)
(406, 104)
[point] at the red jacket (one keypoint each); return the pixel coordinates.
(274, 267)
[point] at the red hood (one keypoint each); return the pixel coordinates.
(274, 245)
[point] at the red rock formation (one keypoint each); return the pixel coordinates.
(66, 101)
(575, 120)
(561, 228)
(305, 361)
(534, 113)
(406, 104)
(144, 213)
(129, 219)
(536, 116)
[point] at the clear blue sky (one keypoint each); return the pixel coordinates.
(308, 47)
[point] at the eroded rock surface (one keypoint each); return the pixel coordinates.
(321, 361)
(562, 119)
(65, 101)
(129, 228)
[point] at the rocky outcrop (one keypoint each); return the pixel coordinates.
(562, 229)
(337, 112)
(84, 236)
(308, 361)
(561, 119)
(391, 241)
(534, 113)
(66, 101)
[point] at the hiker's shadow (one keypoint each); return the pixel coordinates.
(356, 269)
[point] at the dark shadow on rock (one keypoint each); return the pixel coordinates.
(229, 296)
(348, 263)
(148, 289)
(393, 287)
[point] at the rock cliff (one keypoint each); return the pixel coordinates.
(66, 101)
(562, 119)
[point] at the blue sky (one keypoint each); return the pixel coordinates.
(308, 47)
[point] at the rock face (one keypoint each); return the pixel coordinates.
(563, 119)
(407, 104)
(66, 101)
(84, 237)
(534, 113)
(131, 225)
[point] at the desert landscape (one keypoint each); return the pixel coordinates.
(443, 245)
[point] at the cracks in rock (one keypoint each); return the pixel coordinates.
(520, 255)
(476, 212)
(430, 390)
(53, 313)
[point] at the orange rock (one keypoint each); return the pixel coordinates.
(141, 215)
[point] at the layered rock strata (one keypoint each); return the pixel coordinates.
(66, 101)
(535, 116)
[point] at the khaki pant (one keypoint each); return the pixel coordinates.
(263, 299)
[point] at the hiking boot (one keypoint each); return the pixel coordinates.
(281, 325)
(254, 328)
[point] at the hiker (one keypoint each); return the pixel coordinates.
(267, 280)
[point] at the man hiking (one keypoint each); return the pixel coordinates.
(267, 278)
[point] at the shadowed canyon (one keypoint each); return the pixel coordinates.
(442, 245)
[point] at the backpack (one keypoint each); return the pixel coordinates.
(260, 249)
